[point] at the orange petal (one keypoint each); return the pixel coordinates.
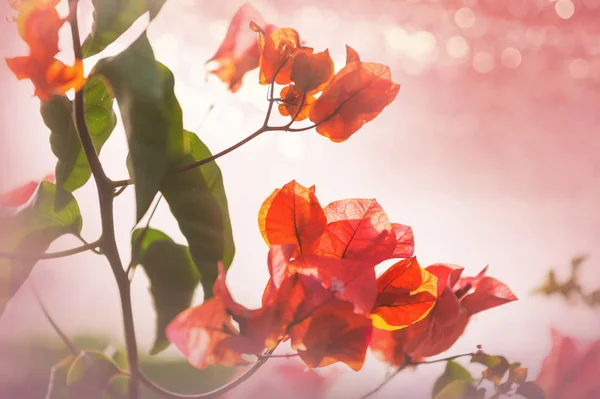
(39, 29)
(49, 79)
(62, 78)
(197, 333)
(291, 101)
(350, 280)
(488, 293)
(405, 241)
(351, 55)
(275, 52)
(357, 229)
(239, 51)
(356, 95)
(334, 334)
(406, 294)
(312, 72)
(292, 215)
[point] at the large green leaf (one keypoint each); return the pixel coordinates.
(112, 18)
(90, 374)
(197, 200)
(172, 274)
(151, 115)
(72, 168)
(214, 180)
(31, 231)
(453, 372)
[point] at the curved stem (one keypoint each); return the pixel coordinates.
(208, 395)
(66, 340)
(52, 255)
(264, 128)
(407, 363)
(224, 152)
(105, 190)
(446, 359)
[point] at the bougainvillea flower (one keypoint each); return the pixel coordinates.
(276, 49)
(291, 100)
(239, 52)
(311, 72)
(38, 24)
(360, 229)
(348, 229)
(51, 79)
(350, 280)
(289, 302)
(20, 195)
(355, 96)
(197, 333)
(333, 333)
(292, 215)
(570, 371)
(458, 300)
(405, 294)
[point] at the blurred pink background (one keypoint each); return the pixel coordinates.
(490, 152)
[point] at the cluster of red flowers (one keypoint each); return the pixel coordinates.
(38, 23)
(324, 297)
(346, 100)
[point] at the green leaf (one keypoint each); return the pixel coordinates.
(173, 278)
(31, 231)
(57, 387)
(89, 375)
(214, 179)
(112, 18)
(151, 115)
(497, 366)
(197, 200)
(72, 168)
(453, 372)
(458, 389)
(117, 387)
(120, 358)
(530, 390)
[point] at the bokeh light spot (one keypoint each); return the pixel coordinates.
(483, 62)
(464, 17)
(511, 58)
(457, 47)
(564, 8)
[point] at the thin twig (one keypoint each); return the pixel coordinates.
(442, 360)
(121, 188)
(212, 394)
(387, 379)
(409, 362)
(51, 255)
(67, 341)
(264, 128)
(282, 356)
